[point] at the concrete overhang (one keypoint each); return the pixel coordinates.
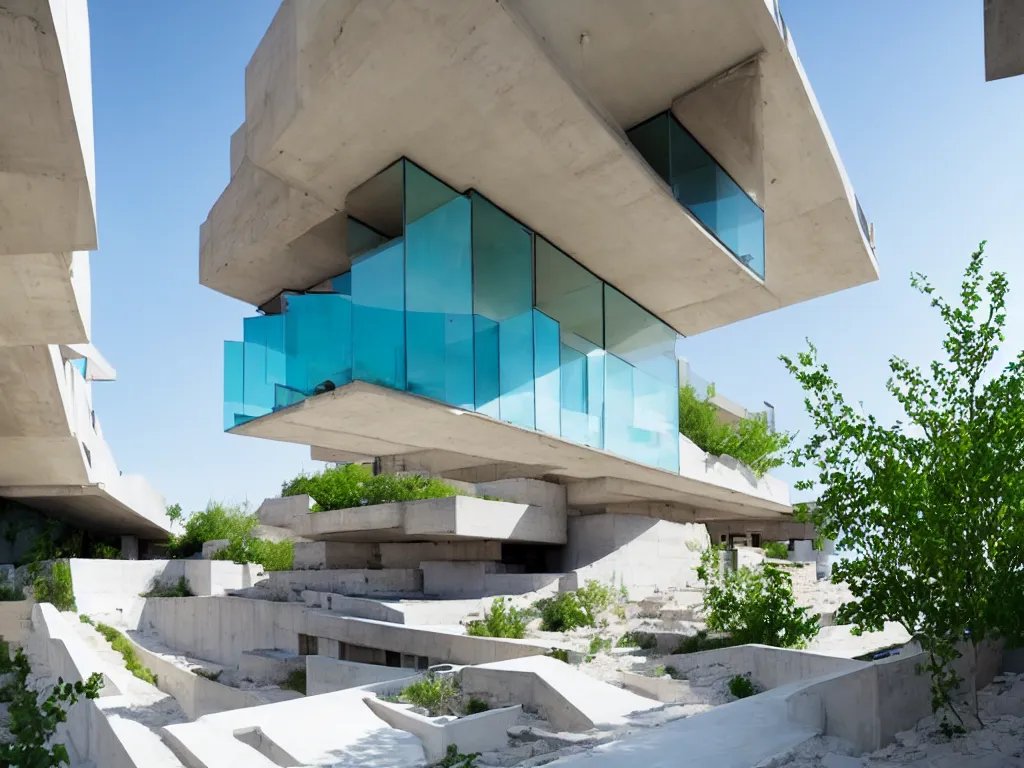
(97, 367)
(526, 101)
(368, 420)
(44, 297)
(1004, 38)
(46, 132)
(92, 506)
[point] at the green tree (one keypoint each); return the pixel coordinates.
(932, 506)
(174, 513)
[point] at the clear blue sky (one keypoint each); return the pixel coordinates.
(934, 152)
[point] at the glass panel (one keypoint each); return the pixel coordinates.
(423, 193)
(546, 373)
(699, 183)
(79, 365)
(343, 284)
(485, 358)
(439, 304)
(569, 293)
(263, 362)
(377, 204)
(582, 389)
(234, 391)
(360, 238)
(318, 337)
(378, 316)
(651, 138)
(638, 337)
(503, 293)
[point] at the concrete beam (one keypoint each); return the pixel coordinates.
(40, 301)
(1004, 38)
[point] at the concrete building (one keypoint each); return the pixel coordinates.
(474, 232)
(1004, 38)
(53, 456)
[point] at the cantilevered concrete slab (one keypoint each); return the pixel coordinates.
(46, 135)
(44, 298)
(527, 101)
(1004, 38)
(366, 419)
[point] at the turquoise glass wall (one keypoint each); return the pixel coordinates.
(700, 184)
(469, 307)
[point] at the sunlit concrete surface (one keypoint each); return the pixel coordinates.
(1004, 38)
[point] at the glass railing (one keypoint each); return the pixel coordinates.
(470, 308)
(703, 187)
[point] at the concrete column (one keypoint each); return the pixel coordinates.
(129, 547)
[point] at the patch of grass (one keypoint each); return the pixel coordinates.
(499, 621)
(215, 676)
(123, 645)
(296, 681)
(434, 694)
(354, 485)
(179, 588)
(778, 550)
(55, 587)
(475, 706)
(637, 639)
(741, 687)
(702, 642)
(598, 644)
(86, 620)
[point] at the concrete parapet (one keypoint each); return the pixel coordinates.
(483, 579)
(315, 555)
(281, 511)
(324, 674)
(269, 666)
(355, 582)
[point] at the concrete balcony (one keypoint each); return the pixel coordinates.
(528, 102)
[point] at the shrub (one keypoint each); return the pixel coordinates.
(750, 440)
(637, 639)
(103, 551)
(455, 759)
(754, 606)
(296, 681)
(272, 555)
(569, 610)
(598, 644)
(33, 723)
(435, 694)
(703, 642)
(499, 622)
(559, 653)
(741, 687)
(86, 620)
(595, 597)
(353, 485)
(55, 587)
(217, 521)
(9, 592)
(778, 550)
(179, 588)
(475, 706)
(124, 646)
(215, 676)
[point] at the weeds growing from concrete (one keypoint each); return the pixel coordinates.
(499, 621)
(124, 646)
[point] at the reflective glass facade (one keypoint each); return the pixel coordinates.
(703, 187)
(469, 307)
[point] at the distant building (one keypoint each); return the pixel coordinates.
(53, 456)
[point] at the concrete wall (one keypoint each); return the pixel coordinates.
(316, 555)
(465, 580)
(643, 553)
(354, 582)
(269, 666)
(324, 674)
(15, 620)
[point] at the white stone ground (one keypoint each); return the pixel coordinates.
(998, 744)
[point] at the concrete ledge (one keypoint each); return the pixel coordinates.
(354, 582)
(324, 674)
(483, 732)
(467, 580)
(664, 689)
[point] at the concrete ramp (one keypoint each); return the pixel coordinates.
(568, 699)
(332, 729)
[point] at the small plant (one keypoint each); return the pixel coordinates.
(9, 593)
(434, 693)
(174, 513)
(455, 759)
(595, 597)
(86, 620)
(33, 723)
(475, 706)
(620, 612)
(741, 687)
(179, 588)
(55, 587)
(659, 671)
(598, 644)
(215, 676)
(563, 613)
(559, 653)
(296, 681)
(672, 672)
(124, 646)
(499, 621)
(777, 550)
(104, 551)
(637, 639)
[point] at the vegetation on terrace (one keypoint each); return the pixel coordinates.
(236, 524)
(354, 485)
(123, 645)
(569, 610)
(931, 507)
(751, 440)
(500, 621)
